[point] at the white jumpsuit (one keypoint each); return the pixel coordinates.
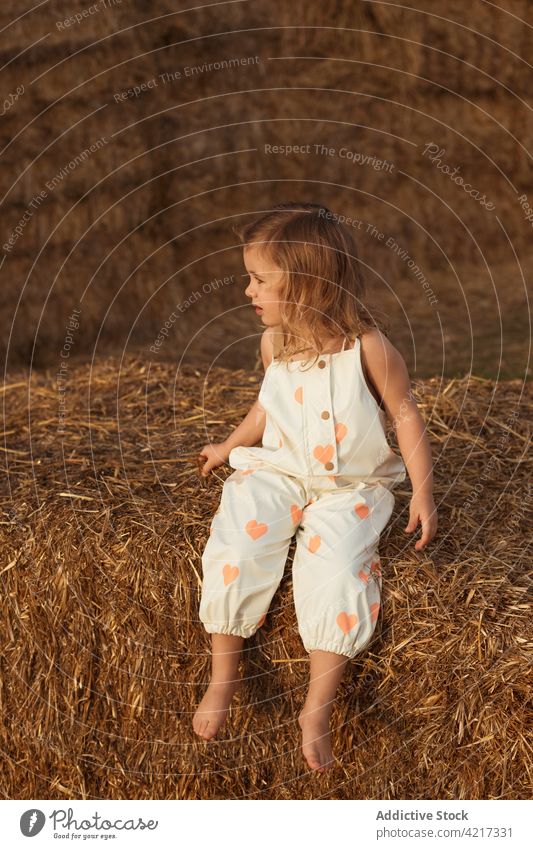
(325, 472)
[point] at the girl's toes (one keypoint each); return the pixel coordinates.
(209, 731)
(200, 727)
(312, 761)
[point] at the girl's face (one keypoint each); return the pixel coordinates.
(265, 286)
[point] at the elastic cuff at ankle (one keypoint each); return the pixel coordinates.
(231, 630)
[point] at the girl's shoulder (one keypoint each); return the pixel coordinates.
(377, 349)
(382, 364)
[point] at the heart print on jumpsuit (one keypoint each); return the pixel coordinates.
(324, 472)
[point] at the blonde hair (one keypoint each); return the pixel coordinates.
(322, 278)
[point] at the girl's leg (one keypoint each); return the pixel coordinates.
(225, 680)
(242, 565)
(326, 674)
(337, 595)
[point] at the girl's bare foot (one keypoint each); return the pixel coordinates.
(212, 710)
(316, 739)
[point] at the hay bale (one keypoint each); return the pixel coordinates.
(103, 656)
(185, 159)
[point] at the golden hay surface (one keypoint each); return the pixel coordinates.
(103, 656)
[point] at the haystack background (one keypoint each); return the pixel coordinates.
(130, 232)
(103, 659)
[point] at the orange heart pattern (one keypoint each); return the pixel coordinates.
(229, 573)
(238, 476)
(346, 621)
(314, 543)
(323, 453)
(298, 394)
(255, 529)
(374, 571)
(361, 509)
(374, 611)
(296, 514)
(340, 431)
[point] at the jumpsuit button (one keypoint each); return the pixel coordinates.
(324, 414)
(328, 466)
(322, 364)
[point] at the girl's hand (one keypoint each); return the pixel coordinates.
(216, 454)
(422, 509)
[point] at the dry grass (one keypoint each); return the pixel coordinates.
(103, 657)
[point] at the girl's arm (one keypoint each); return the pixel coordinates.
(388, 372)
(250, 430)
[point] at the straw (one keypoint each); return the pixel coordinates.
(104, 659)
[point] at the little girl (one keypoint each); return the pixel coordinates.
(324, 471)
